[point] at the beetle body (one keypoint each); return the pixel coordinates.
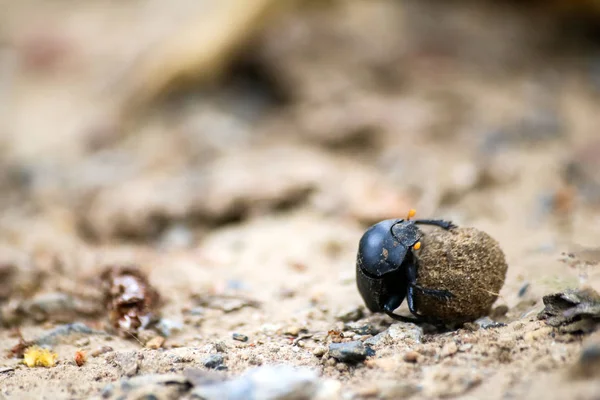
(386, 267)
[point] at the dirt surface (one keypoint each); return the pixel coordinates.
(243, 201)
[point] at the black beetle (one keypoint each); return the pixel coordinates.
(386, 267)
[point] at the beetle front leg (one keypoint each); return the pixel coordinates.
(438, 294)
(436, 222)
(411, 272)
(394, 302)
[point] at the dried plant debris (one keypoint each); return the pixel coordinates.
(575, 310)
(18, 350)
(36, 356)
(130, 299)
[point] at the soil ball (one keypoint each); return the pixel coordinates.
(467, 262)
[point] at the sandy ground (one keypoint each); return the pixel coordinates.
(244, 203)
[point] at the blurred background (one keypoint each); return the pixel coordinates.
(137, 121)
(140, 122)
(245, 145)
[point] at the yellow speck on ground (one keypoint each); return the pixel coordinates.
(37, 357)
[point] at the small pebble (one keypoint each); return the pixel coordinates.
(341, 367)
(240, 337)
(499, 311)
(449, 349)
(404, 331)
(146, 335)
(349, 352)
(213, 361)
(168, 327)
(82, 342)
(361, 328)
(377, 339)
(319, 351)
(471, 326)
(101, 350)
(271, 382)
(131, 369)
(155, 343)
(221, 347)
(523, 289)
(488, 323)
(411, 356)
(292, 331)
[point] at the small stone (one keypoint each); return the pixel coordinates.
(155, 343)
(401, 332)
(380, 338)
(488, 323)
(572, 307)
(82, 342)
(449, 349)
(319, 351)
(146, 335)
(221, 347)
(349, 352)
(271, 382)
(168, 327)
(101, 350)
(499, 311)
(471, 326)
(411, 356)
(292, 331)
(239, 337)
(213, 361)
(341, 367)
(131, 369)
(361, 328)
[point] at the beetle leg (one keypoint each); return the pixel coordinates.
(438, 294)
(392, 303)
(402, 318)
(411, 272)
(410, 300)
(436, 222)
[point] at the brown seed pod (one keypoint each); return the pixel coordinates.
(467, 262)
(130, 298)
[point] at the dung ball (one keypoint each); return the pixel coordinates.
(465, 261)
